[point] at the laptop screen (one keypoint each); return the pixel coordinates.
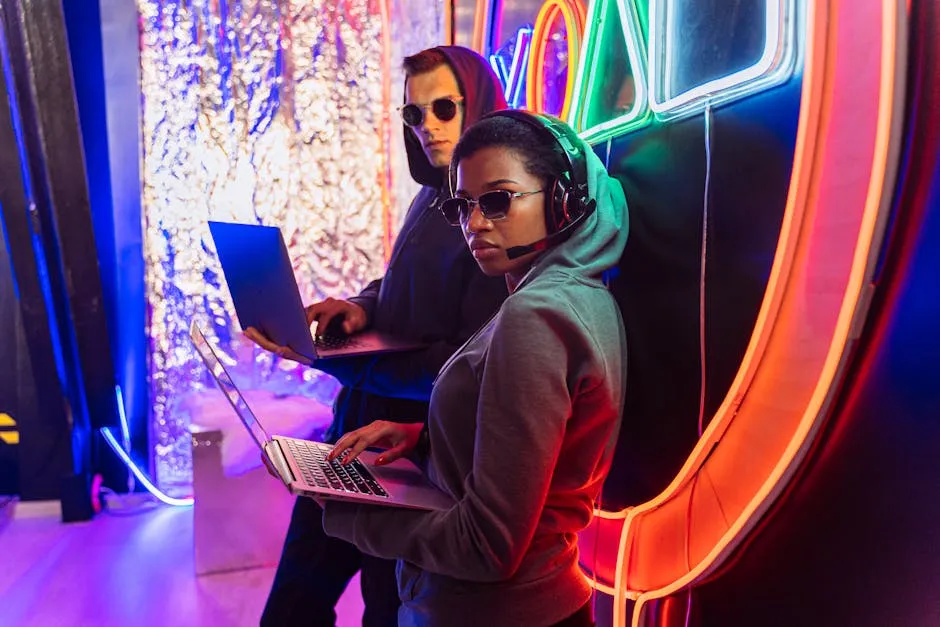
(227, 386)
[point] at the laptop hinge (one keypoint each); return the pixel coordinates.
(276, 455)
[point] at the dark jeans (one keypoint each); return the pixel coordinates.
(314, 570)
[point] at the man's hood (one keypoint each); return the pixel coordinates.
(482, 93)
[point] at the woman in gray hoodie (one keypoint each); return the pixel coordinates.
(524, 417)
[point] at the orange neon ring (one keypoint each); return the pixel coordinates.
(657, 553)
(574, 15)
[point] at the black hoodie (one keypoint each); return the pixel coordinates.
(432, 290)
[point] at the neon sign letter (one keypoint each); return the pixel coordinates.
(511, 77)
(573, 14)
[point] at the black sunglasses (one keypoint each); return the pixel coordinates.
(444, 110)
(493, 205)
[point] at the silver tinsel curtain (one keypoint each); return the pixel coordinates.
(274, 112)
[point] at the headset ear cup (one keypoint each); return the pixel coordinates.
(558, 215)
(572, 207)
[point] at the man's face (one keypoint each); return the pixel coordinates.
(437, 137)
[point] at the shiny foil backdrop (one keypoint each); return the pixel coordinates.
(273, 112)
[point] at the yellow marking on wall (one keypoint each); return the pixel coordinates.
(8, 436)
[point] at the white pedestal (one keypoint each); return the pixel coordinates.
(241, 512)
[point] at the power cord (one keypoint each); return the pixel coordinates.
(131, 504)
(708, 176)
(702, 352)
(123, 452)
(125, 434)
(106, 500)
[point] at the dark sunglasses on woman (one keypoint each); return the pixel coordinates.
(493, 205)
(444, 110)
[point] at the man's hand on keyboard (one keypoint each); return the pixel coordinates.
(352, 315)
(399, 438)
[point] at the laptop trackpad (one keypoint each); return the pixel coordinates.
(406, 483)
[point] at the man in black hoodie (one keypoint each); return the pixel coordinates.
(433, 290)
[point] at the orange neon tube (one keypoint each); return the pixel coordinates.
(574, 15)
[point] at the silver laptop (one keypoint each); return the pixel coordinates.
(264, 291)
(302, 465)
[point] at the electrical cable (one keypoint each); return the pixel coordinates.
(124, 451)
(702, 353)
(708, 176)
(125, 432)
(149, 485)
(123, 509)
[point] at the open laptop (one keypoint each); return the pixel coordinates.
(261, 280)
(302, 465)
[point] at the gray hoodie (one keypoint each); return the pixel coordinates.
(522, 425)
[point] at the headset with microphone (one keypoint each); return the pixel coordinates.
(568, 201)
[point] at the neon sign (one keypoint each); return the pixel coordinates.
(609, 28)
(573, 18)
(512, 76)
(618, 77)
(773, 67)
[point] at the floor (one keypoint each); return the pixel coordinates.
(116, 570)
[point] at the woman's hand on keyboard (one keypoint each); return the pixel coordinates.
(399, 438)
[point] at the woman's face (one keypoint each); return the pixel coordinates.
(499, 168)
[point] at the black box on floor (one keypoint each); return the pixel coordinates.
(76, 498)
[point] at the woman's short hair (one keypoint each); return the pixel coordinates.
(541, 156)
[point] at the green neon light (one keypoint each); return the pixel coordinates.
(590, 94)
(643, 17)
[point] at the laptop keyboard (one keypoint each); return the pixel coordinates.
(335, 341)
(316, 470)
